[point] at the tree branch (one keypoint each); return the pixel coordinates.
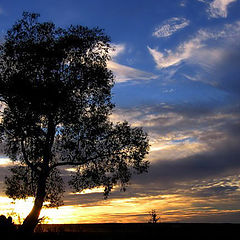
(34, 168)
(81, 163)
(49, 141)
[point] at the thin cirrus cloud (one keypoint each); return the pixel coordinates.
(190, 49)
(125, 73)
(116, 50)
(170, 58)
(170, 26)
(219, 8)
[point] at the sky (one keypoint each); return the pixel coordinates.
(177, 71)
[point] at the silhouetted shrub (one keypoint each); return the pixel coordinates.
(6, 224)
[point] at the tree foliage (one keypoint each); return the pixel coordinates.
(56, 92)
(23, 183)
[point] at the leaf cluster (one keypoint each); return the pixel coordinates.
(22, 183)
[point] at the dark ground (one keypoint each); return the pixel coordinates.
(165, 231)
(131, 231)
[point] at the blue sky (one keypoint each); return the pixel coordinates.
(177, 68)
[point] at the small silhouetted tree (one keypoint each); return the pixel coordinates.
(55, 89)
(153, 216)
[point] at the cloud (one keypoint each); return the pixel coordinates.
(183, 3)
(169, 58)
(216, 190)
(195, 47)
(217, 62)
(187, 172)
(200, 166)
(170, 26)
(194, 157)
(184, 51)
(218, 8)
(186, 144)
(193, 164)
(117, 49)
(124, 73)
(219, 67)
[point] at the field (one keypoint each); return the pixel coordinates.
(137, 231)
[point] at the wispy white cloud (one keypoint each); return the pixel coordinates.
(170, 58)
(190, 49)
(117, 49)
(124, 73)
(183, 3)
(170, 26)
(219, 8)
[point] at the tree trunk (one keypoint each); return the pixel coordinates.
(31, 220)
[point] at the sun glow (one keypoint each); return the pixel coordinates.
(115, 210)
(170, 207)
(88, 191)
(4, 161)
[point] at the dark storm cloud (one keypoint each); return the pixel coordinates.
(1, 150)
(165, 118)
(199, 166)
(218, 129)
(222, 217)
(218, 191)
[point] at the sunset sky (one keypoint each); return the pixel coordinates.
(177, 68)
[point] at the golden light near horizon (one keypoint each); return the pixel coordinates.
(5, 161)
(171, 208)
(112, 210)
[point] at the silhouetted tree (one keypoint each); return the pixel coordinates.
(153, 216)
(56, 91)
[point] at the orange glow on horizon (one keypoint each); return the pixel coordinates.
(171, 208)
